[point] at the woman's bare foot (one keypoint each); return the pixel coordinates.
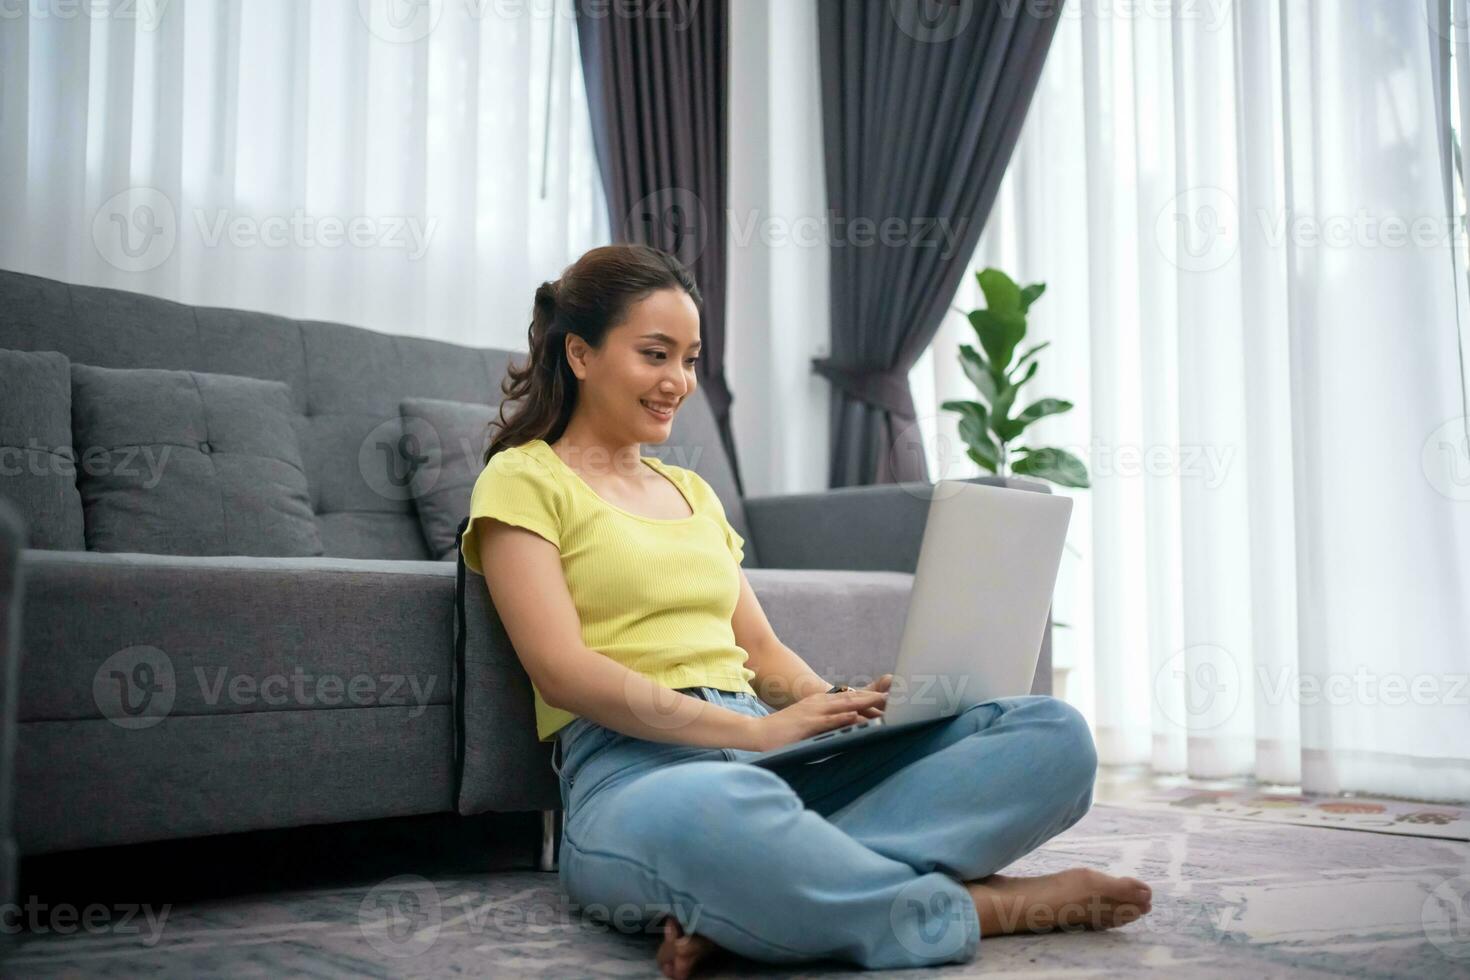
(1076, 899)
(679, 952)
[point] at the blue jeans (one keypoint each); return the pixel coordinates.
(858, 857)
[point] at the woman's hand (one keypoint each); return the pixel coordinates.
(818, 713)
(881, 684)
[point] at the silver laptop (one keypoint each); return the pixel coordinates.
(976, 616)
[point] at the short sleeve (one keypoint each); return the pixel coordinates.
(518, 489)
(733, 540)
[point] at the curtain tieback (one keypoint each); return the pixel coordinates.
(886, 388)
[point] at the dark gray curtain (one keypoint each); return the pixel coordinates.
(922, 104)
(657, 75)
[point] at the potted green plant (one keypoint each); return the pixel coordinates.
(987, 425)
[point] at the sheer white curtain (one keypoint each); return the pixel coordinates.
(1238, 210)
(381, 163)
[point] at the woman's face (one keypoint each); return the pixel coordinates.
(644, 371)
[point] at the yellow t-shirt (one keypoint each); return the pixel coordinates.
(656, 595)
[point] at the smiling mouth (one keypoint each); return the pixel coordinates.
(666, 414)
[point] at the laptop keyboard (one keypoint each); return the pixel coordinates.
(865, 723)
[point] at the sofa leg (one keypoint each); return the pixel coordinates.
(550, 835)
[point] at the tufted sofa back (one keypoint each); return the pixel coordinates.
(346, 384)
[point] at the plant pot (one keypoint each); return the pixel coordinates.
(1013, 482)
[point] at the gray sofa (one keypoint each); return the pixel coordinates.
(219, 631)
(12, 538)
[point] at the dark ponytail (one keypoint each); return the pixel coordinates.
(592, 296)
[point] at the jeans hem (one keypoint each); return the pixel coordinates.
(777, 949)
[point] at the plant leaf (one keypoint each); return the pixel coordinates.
(968, 408)
(1031, 352)
(992, 464)
(973, 424)
(977, 369)
(972, 430)
(1056, 465)
(1027, 376)
(1041, 409)
(1031, 294)
(1002, 295)
(999, 334)
(1000, 423)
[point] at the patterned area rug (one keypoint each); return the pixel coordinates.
(1379, 816)
(1231, 898)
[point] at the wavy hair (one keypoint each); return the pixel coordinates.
(592, 296)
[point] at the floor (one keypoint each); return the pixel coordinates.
(1233, 898)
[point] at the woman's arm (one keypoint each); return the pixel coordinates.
(781, 676)
(529, 590)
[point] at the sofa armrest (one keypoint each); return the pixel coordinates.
(167, 696)
(872, 528)
(256, 617)
(243, 619)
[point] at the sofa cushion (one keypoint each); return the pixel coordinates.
(446, 442)
(37, 466)
(186, 463)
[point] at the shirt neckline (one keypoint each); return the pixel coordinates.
(653, 463)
